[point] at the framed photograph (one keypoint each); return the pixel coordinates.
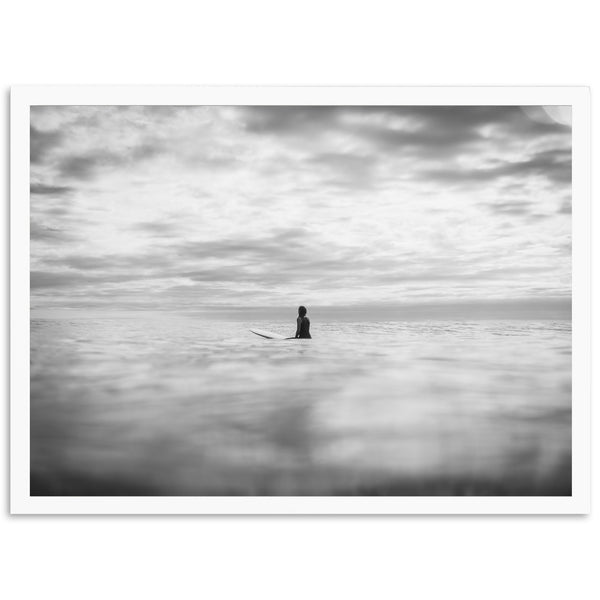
(281, 300)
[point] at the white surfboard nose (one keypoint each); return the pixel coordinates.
(268, 334)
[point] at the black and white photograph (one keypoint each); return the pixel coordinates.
(300, 300)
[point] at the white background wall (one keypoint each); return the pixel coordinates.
(309, 42)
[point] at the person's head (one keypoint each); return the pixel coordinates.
(301, 311)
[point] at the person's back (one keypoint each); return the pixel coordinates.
(303, 324)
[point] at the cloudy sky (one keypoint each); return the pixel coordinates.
(187, 208)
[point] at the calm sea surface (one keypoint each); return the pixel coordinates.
(183, 406)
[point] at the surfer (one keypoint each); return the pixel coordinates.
(303, 324)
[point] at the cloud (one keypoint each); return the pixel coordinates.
(42, 142)
(90, 164)
(437, 128)
(148, 259)
(83, 262)
(511, 207)
(277, 257)
(41, 233)
(156, 229)
(86, 166)
(145, 151)
(41, 279)
(282, 120)
(552, 165)
(75, 279)
(42, 189)
(344, 168)
(56, 211)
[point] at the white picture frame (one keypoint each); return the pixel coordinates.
(23, 97)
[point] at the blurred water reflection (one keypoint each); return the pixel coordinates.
(194, 407)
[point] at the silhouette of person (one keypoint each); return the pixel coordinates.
(303, 324)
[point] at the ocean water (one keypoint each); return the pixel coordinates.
(192, 406)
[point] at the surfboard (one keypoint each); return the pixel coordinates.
(268, 334)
